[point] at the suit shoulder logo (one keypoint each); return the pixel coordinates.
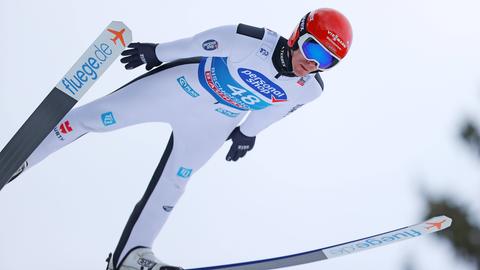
(210, 45)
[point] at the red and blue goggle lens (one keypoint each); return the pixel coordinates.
(312, 50)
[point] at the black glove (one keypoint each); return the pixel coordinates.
(139, 54)
(241, 144)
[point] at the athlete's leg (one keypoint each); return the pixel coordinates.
(183, 156)
(134, 103)
(197, 135)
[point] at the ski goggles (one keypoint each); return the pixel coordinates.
(315, 51)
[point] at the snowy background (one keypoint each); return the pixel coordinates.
(348, 165)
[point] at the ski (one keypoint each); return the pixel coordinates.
(430, 226)
(84, 73)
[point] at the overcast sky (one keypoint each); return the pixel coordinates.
(346, 166)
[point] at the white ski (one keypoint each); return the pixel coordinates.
(430, 226)
(84, 73)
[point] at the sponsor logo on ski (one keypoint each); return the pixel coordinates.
(210, 45)
(227, 112)
(65, 127)
(186, 87)
(98, 57)
(118, 35)
(371, 242)
(435, 225)
(168, 208)
(261, 84)
(87, 70)
(108, 119)
(184, 172)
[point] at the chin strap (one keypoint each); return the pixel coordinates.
(282, 58)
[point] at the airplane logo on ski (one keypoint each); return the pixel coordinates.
(437, 225)
(118, 36)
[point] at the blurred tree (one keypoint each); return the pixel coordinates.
(464, 236)
(471, 136)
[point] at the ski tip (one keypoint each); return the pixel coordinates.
(437, 223)
(118, 24)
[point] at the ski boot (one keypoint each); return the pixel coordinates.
(140, 258)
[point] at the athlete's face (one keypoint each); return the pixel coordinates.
(300, 65)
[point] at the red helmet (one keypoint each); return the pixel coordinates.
(329, 27)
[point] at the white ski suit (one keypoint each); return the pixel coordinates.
(206, 86)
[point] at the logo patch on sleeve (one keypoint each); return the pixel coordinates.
(210, 45)
(108, 119)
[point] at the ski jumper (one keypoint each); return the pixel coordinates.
(206, 86)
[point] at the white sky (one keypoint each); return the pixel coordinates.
(349, 165)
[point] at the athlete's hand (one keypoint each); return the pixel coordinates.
(241, 144)
(139, 54)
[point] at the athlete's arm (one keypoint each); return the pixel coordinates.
(214, 42)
